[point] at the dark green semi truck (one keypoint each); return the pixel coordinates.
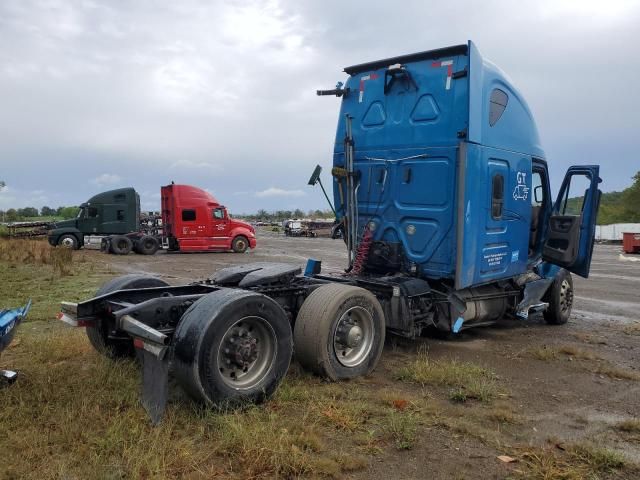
(115, 217)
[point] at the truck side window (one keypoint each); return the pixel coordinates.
(218, 213)
(120, 215)
(188, 215)
(497, 196)
(92, 212)
(497, 104)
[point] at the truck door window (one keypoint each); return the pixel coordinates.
(92, 212)
(573, 200)
(188, 215)
(218, 213)
(497, 196)
(120, 215)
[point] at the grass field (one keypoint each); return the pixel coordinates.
(76, 415)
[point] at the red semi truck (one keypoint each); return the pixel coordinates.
(192, 220)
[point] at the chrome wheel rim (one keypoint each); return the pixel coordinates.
(246, 353)
(240, 245)
(67, 242)
(353, 336)
(566, 297)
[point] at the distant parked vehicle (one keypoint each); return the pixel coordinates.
(191, 220)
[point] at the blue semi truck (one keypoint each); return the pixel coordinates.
(442, 190)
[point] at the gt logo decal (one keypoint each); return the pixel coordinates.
(521, 191)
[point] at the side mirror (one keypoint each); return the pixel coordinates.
(538, 194)
(315, 176)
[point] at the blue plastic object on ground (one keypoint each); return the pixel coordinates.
(9, 320)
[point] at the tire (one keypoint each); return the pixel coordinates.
(240, 244)
(232, 347)
(560, 299)
(327, 312)
(147, 245)
(69, 240)
(121, 245)
(99, 333)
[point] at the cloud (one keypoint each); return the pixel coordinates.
(279, 192)
(106, 179)
(17, 198)
(193, 164)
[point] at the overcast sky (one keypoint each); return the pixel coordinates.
(221, 95)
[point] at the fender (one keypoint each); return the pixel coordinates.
(55, 234)
(245, 232)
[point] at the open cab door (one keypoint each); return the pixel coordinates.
(571, 229)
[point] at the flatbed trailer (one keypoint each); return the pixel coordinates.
(28, 229)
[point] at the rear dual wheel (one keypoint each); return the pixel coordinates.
(232, 347)
(146, 245)
(339, 332)
(121, 245)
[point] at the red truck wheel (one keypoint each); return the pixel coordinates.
(99, 333)
(232, 347)
(240, 244)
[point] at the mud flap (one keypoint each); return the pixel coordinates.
(155, 385)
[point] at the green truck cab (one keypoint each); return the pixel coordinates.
(108, 213)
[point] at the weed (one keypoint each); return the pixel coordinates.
(544, 353)
(348, 416)
(615, 372)
(631, 425)
(265, 446)
(633, 329)
(469, 380)
(553, 352)
(597, 458)
(458, 395)
(590, 338)
(576, 352)
(61, 259)
(402, 428)
(578, 462)
(503, 414)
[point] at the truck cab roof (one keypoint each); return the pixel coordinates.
(119, 195)
(441, 96)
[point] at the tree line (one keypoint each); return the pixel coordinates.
(280, 215)
(621, 207)
(31, 213)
